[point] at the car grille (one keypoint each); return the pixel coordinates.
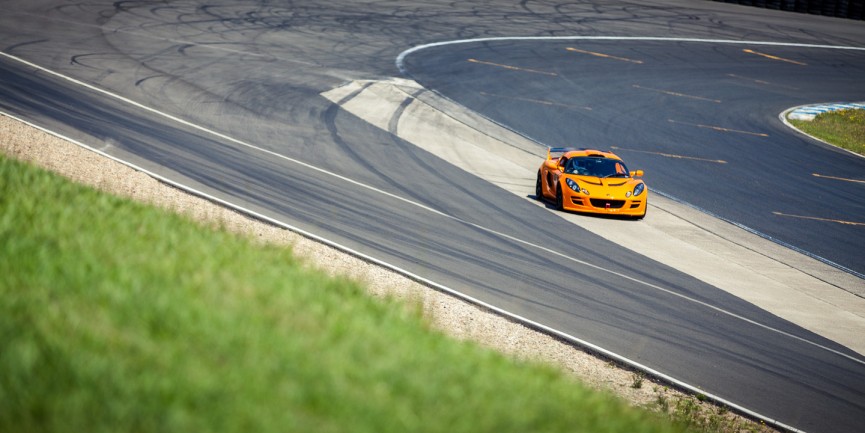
(601, 203)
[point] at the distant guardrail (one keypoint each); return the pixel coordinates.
(851, 9)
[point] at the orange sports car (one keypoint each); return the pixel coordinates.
(587, 180)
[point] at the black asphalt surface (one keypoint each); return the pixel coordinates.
(679, 112)
(254, 70)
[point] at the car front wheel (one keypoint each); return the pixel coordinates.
(560, 200)
(539, 195)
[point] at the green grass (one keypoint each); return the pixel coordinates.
(118, 317)
(843, 128)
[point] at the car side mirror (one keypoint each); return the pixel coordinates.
(560, 168)
(638, 173)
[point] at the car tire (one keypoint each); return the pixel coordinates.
(639, 217)
(560, 200)
(539, 194)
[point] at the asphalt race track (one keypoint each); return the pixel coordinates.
(245, 78)
(717, 143)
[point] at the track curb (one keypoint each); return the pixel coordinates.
(809, 112)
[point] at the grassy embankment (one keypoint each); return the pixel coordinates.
(843, 128)
(115, 316)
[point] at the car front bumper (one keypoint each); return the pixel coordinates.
(631, 206)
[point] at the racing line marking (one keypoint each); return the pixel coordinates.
(851, 223)
(767, 83)
(769, 56)
(513, 68)
(606, 56)
(837, 178)
(749, 79)
(718, 128)
(668, 92)
(670, 155)
(536, 101)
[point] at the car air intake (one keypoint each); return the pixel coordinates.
(601, 203)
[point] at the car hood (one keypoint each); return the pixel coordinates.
(613, 187)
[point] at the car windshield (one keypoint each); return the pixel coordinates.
(596, 166)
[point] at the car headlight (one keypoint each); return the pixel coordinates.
(639, 189)
(572, 184)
